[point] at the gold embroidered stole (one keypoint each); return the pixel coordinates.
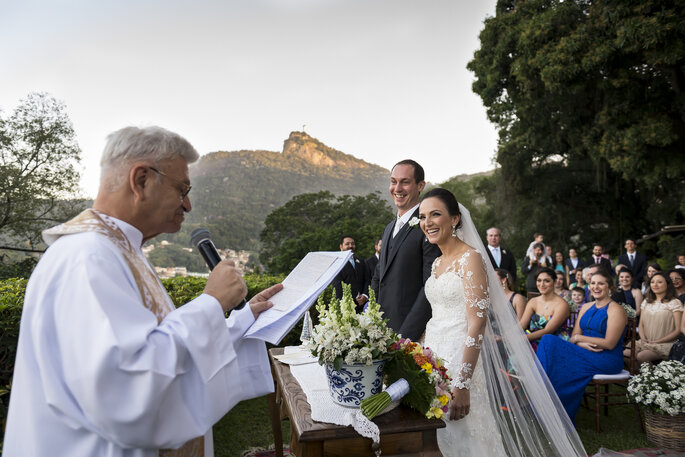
(152, 293)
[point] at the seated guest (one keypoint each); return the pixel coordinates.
(547, 312)
(681, 261)
(579, 280)
(560, 286)
(659, 320)
(587, 274)
(651, 269)
(577, 298)
(677, 276)
(625, 293)
(559, 263)
(517, 301)
(678, 349)
(595, 346)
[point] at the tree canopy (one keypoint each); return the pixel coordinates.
(316, 221)
(588, 100)
(38, 168)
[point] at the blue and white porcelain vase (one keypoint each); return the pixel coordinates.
(353, 383)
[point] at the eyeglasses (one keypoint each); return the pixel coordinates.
(184, 193)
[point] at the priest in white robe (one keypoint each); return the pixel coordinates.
(106, 366)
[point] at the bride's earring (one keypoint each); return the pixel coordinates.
(454, 231)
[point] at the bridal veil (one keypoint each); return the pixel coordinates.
(531, 419)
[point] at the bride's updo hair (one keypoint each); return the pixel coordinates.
(446, 197)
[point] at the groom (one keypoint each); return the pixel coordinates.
(406, 258)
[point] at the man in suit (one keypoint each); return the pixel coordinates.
(353, 273)
(636, 261)
(574, 263)
(499, 257)
(372, 261)
(597, 258)
(406, 258)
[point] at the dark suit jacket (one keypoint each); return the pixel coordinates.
(639, 267)
(605, 263)
(571, 270)
(402, 270)
(357, 277)
(507, 262)
(371, 263)
(531, 273)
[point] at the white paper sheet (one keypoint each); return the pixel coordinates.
(300, 288)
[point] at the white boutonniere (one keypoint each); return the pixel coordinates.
(413, 222)
(504, 251)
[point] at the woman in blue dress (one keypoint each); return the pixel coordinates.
(595, 346)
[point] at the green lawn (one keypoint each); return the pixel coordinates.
(248, 425)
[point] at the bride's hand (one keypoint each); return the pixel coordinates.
(460, 404)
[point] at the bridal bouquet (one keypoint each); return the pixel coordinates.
(342, 335)
(660, 388)
(418, 376)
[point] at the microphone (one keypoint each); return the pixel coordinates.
(200, 240)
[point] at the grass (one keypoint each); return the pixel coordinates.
(248, 425)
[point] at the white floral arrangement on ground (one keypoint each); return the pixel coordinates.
(660, 388)
(342, 335)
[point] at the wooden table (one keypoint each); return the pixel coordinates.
(404, 432)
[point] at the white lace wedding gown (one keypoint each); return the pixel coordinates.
(458, 295)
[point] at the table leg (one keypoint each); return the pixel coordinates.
(275, 415)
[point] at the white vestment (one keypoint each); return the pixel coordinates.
(99, 374)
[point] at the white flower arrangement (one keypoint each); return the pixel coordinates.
(413, 222)
(660, 388)
(342, 335)
(630, 312)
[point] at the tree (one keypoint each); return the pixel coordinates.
(588, 100)
(316, 221)
(38, 174)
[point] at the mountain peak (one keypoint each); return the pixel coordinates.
(301, 144)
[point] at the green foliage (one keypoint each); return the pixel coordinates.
(316, 221)
(588, 100)
(478, 194)
(11, 303)
(38, 168)
(17, 269)
(183, 289)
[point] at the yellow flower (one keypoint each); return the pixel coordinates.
(443, 399)
(437, 412)
(428, 367)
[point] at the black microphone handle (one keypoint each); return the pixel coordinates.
(209, 253)
(212, 258)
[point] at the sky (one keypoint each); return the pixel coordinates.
(383, 80)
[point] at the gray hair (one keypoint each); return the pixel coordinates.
(153, 144)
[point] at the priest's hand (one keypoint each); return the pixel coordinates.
(226, 284)
(260, 302)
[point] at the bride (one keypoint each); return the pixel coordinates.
(503, 403)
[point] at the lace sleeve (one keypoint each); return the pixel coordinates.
(477, 299)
